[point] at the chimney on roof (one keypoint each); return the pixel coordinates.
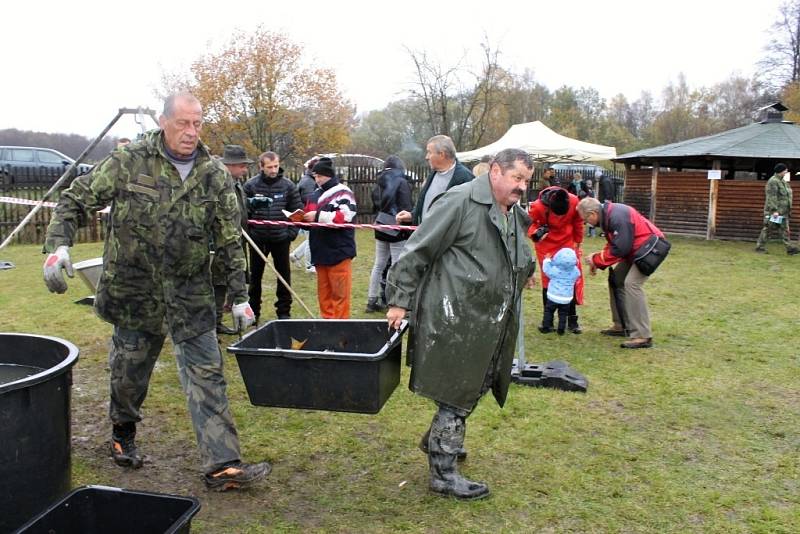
(771, 113)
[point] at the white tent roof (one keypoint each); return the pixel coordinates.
(543, 144)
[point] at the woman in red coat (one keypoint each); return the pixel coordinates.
(556, 224)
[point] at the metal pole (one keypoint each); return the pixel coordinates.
(284, 282)
(68, 171)
(64, 176)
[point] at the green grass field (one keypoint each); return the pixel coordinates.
(699, 434)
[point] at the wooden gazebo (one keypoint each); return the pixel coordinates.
(672, 184)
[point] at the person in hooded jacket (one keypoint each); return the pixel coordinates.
(555, 224)
(391, 195)
(268, 195)
(562, 270)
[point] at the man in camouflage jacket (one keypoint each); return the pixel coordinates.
(168, 200)
(777, 210)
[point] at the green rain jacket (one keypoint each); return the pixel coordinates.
(778, 197)
(462, 280)
(156, 256)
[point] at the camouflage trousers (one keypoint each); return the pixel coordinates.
(199, 360)
(781, 228)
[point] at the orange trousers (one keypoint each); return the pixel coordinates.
(333, 289)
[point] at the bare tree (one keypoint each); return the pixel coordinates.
(780, 65)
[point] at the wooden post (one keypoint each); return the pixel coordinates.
(713, 195)
(653, 189)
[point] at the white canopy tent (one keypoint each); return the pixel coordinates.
(543, 144)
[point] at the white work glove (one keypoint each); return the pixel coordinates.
(52, 269)
(243, 316)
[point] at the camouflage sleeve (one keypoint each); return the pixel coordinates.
(227, 236)
(87, 193)
(771, 205)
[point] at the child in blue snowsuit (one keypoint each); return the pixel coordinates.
(562, 270)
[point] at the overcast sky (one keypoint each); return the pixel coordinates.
(68, 66)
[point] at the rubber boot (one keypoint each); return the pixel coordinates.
(423, 446)
(572, 324)
(447, 438)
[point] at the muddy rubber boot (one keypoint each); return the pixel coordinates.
(123, 446)
(447, 438)
(423, 446)
(572, 324)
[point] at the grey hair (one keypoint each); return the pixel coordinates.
(506, 158)
(169, 102)
(443, 144)
(588, 205)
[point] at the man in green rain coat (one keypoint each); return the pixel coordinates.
(461, 275)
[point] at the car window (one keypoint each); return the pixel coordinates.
(22, 154)
(45, 156)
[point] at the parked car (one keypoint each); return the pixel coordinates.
(34, 164)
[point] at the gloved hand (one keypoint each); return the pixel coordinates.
(52, 269)
(243, 316)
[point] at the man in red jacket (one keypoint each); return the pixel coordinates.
(626, 230)
(555, 224)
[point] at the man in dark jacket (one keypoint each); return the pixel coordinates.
(461, 275)
(268, 195)
(626, 230)
(447, 172)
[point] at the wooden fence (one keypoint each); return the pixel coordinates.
(682, 204)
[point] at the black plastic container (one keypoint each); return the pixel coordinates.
(101, 509)
(344, 366)
(35, 448)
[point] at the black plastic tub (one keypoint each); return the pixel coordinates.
(35, 448)
(101, 509)
(344, 366)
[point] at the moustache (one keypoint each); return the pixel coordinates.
(517, 191)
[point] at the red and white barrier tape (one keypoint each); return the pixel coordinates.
(25, 202)
(332, 225)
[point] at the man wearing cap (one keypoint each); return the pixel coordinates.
(332, 249)
(777, 209)
(236, 161)
(268, 195)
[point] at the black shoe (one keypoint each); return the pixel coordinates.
(561, 331)
(226, 330)
(545, 329)
(375, 305)
(613, 332)
(640, 344)
(123, 446)
(761, 250)
(283, 316)
(573, 326)
(459, 487)
(236, 475)
(791, 251)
